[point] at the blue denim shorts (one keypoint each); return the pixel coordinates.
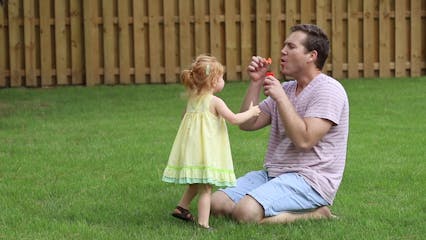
(288, 192)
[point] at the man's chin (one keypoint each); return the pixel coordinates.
(287, 75)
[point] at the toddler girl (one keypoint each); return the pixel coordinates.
(201, 154)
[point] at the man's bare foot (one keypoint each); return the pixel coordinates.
(288, 217)
(323, 212)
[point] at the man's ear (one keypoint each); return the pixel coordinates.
(313, 55)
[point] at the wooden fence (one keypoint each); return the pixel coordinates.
(94, 42)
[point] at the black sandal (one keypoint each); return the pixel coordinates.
(183, 214)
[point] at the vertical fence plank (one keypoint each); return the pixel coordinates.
(154, 40)
(109, 42)
(400, 38)
(184, 34)
(215, 41)
(276, 32)
(261, 26)
(368, 40)
(337, 39)
(29, 40)
(246, 33)
(290, 20)
(60, 42)
(322, 11)
(139, 40)
(290, 14)
(415, 43)
(353, 42)
(321, 14)
(384, 38)
(170, 47)
(200, 27)
(230, 39)
(15, 44)
(3, 48)
(76, 42)
(124, 41)
(91, 42)
(306, 11)
(46, 43)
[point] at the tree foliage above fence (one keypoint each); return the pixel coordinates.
(77, 42)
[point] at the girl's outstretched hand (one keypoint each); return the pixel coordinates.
(254, 109)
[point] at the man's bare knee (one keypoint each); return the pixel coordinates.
(248, 210)
(221, 204)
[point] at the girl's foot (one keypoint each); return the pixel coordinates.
(206, 227)
(183, 214)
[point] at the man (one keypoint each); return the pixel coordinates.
(306, 154)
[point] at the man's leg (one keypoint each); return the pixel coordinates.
(251, 205)
(248, 210)
(288, 217)
(224, 201)
(284, 199)
(221, 204)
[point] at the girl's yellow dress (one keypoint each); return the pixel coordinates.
(201, 152)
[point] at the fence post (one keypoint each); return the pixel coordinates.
(337, 39)
(4, 56)
(416, 31)
(154, 41)
(60, 43)
(368, 38)
(139, 40)
(400, 38)
(124, 42)
(77, 43)
(91, 53)
(231, 40)
(384, 40)
(170, 47)
(15, 43)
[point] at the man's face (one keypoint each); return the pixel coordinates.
(294, 56)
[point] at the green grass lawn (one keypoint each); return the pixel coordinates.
(86, 163)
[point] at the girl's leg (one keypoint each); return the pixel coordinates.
(205, 191)
(182, 209)
(188, 195)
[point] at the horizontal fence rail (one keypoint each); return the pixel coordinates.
(46, 43)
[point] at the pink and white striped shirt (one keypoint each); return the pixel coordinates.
(323, 165)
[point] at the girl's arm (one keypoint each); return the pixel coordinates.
(236, 119)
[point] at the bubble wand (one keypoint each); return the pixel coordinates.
(269, 62)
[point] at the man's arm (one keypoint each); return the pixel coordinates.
(256, 70)
(303, 132)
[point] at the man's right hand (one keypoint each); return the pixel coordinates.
(257, 68)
